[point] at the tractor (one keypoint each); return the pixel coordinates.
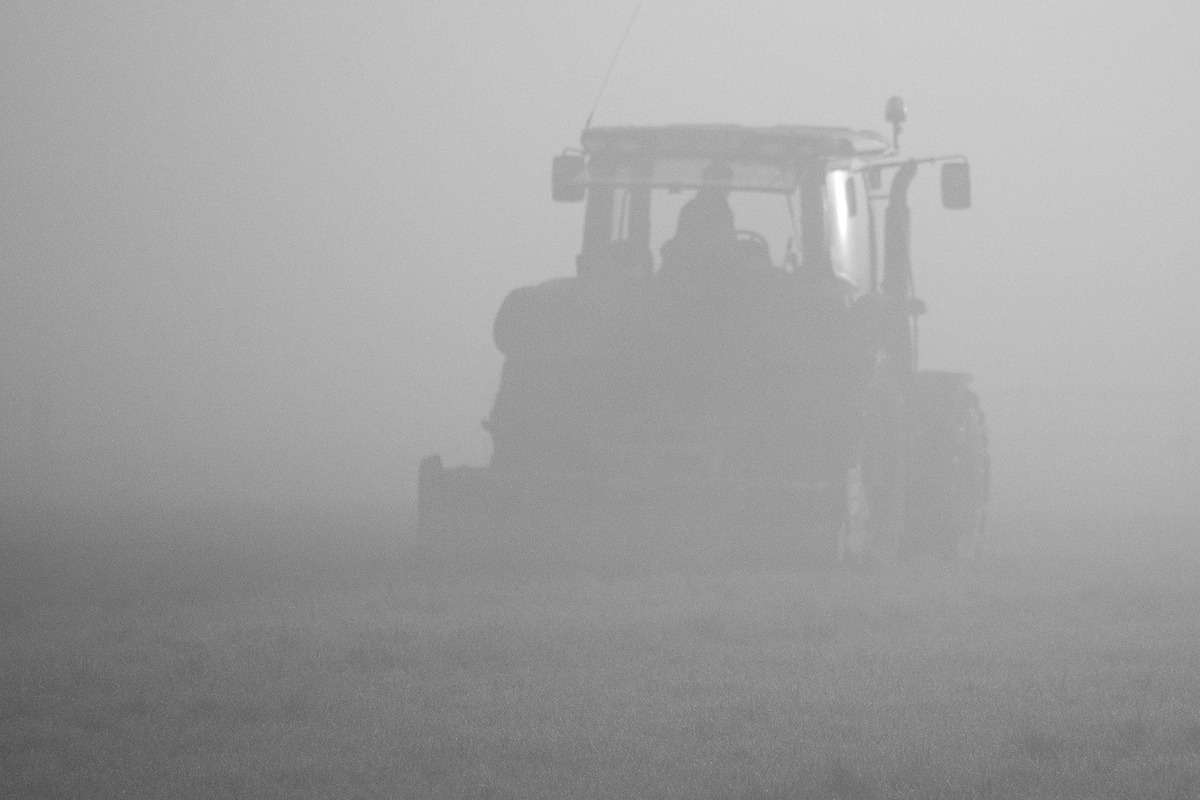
(730, 375)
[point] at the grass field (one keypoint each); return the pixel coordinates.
(1066, 664)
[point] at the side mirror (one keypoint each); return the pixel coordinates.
(956, 184)
(565, 174)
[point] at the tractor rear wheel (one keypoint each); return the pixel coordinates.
(950, 479)
(871, 497)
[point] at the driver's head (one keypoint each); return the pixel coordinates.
(707, 216)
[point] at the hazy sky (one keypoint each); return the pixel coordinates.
(254, 250)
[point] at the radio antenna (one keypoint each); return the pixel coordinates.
(613, 63)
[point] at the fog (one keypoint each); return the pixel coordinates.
(252, 254)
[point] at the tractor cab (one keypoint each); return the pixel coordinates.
(803, 200)
(738, 344)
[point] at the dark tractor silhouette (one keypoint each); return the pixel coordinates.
(731, 374)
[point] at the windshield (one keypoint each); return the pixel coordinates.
(781, 213)
(655, 215)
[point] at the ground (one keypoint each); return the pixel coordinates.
(1061, 665)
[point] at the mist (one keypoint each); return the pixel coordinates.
(250, 260)
(253, 254)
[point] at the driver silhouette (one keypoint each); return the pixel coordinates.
(707, 217)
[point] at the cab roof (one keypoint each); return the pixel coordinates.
(795, 142)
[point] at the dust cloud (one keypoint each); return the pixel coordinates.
(251, 255)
